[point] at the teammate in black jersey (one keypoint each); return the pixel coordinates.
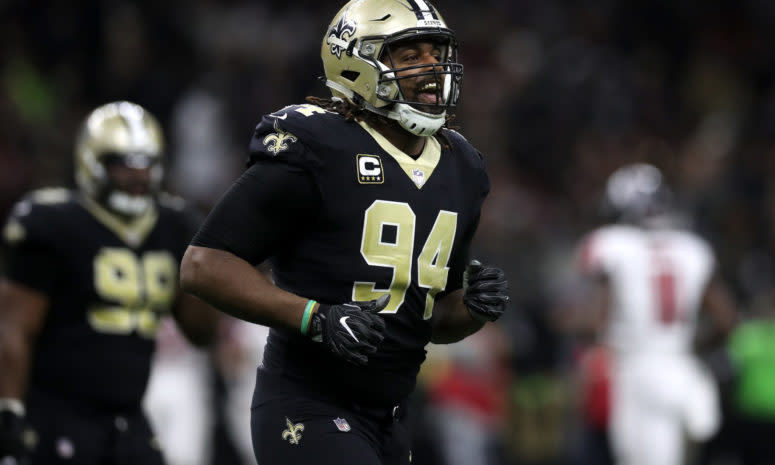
(87, 277)
(366, 207)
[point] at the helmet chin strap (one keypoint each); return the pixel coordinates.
(417, 122)
(128, 205)
(413, 120)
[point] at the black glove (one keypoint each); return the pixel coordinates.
(485, 291)
(352, 330)
(17, 438)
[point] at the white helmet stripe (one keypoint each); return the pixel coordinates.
(422, 9)
(133, 117)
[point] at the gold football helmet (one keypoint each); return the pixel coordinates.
(358, 39)
(125, 133)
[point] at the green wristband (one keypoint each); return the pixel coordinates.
(308, 310)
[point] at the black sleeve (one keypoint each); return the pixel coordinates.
(269, 204)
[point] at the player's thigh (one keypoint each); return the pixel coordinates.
(662, 439)
(396, 444)
(644, 435)
(300, 432)
(136, 443)
(66, 438)
(629, 406)
(625, 413)
(700, 403)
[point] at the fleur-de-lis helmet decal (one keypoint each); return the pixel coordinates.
(339, 35)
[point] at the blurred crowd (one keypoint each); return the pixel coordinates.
(556, 95)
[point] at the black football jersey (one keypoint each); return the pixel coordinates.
(383, 222)
(108, 284)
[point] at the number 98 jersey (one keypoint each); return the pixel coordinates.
(353, 218)
(108, 283)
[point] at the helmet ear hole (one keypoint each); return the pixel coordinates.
(350, 75)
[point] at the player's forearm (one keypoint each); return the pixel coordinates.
(235, 287)
(15, 351)
(451, 320)
(22, 315)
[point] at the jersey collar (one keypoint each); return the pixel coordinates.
(419, 170)
(132, 232)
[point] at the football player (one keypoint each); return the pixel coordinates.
(366, 206)
(89, 274)
(653, 277)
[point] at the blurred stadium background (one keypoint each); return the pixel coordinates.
(556, 94)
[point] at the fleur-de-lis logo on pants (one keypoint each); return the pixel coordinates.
(293, 433)
(278, 141)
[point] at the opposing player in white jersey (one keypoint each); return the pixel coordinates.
(653, 280)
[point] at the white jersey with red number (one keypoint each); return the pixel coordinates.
(660, 392)
(657, 280)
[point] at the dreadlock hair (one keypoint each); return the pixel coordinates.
(353, 112)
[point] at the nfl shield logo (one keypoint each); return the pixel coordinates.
(341, 424)
(418, 176)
